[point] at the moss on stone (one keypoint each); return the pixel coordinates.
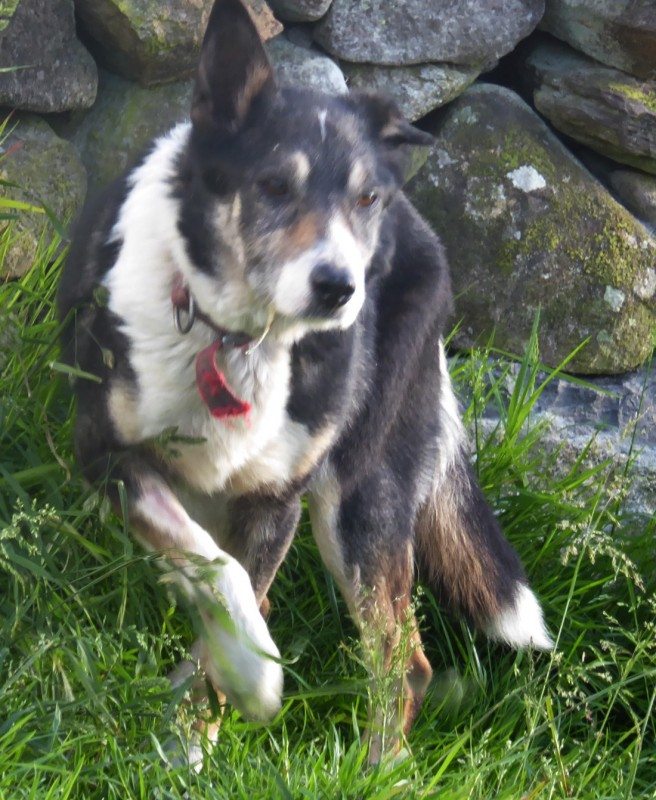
(123, 122)
(47, 169)
(519, 148)
(640, 93)
(566, 247)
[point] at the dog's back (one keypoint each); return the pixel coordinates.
(262, 310)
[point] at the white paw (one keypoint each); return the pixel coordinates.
(521, 624)
(178, 752)
(238, 651)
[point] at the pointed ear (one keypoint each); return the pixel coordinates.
(389, 125)
(233, 71)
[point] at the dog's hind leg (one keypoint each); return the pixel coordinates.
(366, 542)
(462, 552)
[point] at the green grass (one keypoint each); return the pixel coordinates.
(87, 631)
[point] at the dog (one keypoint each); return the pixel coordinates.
(263, 311)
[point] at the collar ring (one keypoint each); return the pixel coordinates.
(183, 327)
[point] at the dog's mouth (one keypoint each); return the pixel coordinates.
(281, 312)
(316, 318)
(320, 302)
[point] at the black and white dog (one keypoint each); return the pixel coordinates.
(259, 285)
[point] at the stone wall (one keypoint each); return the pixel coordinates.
(541, 182)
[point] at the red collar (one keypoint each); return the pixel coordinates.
(212, 385)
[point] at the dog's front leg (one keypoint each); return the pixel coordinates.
(236, 650)
(259, 531)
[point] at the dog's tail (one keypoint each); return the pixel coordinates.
(462, 553)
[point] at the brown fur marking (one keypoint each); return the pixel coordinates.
(301, 236)
(452, 558)
(258, 76)
(391, 639)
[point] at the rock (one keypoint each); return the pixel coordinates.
(526, 227)
(607, 420)
(156, 41)
(472, 32)
(57, 73)
(301, 35)
(300, 10)
(417, 89)
(298, 65)
(603, 108)
(48, 170)
(620, 33)
(266, 24)
(125, 118)
(637, 192)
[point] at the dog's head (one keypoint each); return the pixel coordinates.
(284, 191)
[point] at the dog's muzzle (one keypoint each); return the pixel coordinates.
(331, 286)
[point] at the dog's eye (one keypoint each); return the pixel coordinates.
(367, 200)
(275, 187)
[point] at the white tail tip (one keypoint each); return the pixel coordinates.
(521, 624)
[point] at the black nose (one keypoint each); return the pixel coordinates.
(332, 287)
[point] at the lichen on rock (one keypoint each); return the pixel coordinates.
(620, 33)
(527, 228)
(470, 32)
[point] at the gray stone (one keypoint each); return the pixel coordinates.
(526, 227)
(417, 89)
(156, 41)
(637, 191)
(122, 123)
(267, 25)
(301, 35)
(603, 108)
(606, 420)
(55, 72)
(298, 65)
(620, 33)
(300, 10)
(47, 170)
(472, 32)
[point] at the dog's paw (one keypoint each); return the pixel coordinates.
(179, 752)
(238, 653)
(521, 623)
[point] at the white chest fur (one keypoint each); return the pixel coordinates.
(266, 448)
(231, 447)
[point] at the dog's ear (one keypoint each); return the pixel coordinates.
(233, 71)
(388, 123)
